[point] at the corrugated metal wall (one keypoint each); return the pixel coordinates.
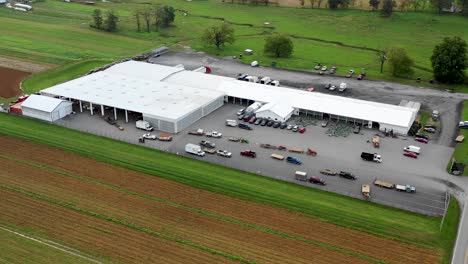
(189, 119)
(213, 106)
(38, 114)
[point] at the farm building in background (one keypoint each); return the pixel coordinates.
(172, 98)
(46, 108)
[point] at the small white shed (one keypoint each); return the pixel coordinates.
(46, 108)
(275, 111)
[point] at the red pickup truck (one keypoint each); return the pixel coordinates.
(248, 153)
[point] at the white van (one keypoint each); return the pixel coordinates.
(300, 175)
(413, 149)
(231, 123)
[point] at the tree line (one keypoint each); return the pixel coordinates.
(149, 19)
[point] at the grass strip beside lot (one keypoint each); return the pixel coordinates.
(449, 229)
(123, 223)
(196, 210)
(337, 209)
(461, 150)
(61, 74)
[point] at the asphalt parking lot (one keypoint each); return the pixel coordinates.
(337, 153)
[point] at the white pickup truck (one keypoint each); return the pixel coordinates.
(405, 188)
(214, 134)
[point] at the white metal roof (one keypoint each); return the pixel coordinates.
(312, 101)
(281, 109)
(42, 103)
(167, 91)
(135, 91)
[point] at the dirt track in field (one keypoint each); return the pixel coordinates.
(208, 231)
(10, 82)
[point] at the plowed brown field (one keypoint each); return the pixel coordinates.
(295, 239)
(10, 84)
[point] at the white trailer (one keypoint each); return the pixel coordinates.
(194, 149)
(253, 107)
(252, 78)
(145, 125)
(413, 149)
(23, 6)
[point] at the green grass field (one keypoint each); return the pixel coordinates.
(20, 249)
(343, 211)
(461, 150)
(449, 229)
(58, 32)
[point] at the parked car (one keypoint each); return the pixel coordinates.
(332, 88)
(317, 180)
(270, 123)
(329, 172)
(258, 121)
(244, 126)
(410, 154)
(240, 117)
(463, 124)
(264, 122)
(302, 130)
(357, 129)
(310, 89)
(435, 115)
(324, 123)
(324, 68)
(241, 111)
(317, 66)
(283, 125)
(248, 153)
(333, 70)
(321, 72)
(276, 124)
(248, 117)
(327, 86)
(207, 144)
(149, 136)
(289, 127)
(422, 136)
(294, 160)
(295, 128)
(252, 120)
(430, 129)
(361, 76)
(241, 76)
(224, 153)
(422, 140)
(350, 74)
(214, 134)
(347, 175)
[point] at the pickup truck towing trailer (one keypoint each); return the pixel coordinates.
(198, 132)
(371, 157)
(165, 137)
(405, 188)
(384, 184)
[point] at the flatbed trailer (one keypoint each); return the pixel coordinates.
(296, 150)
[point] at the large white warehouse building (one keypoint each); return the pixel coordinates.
(172, 98)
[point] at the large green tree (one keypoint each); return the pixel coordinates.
(334, 4)
(449, 60)
(165, 16)
(399, 62)
(278, 45)
(110, 24)
(218, 35)
(387, 8)
(97, 19)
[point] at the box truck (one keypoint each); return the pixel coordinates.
(371, 157)
(194, 149)
(145, 125)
